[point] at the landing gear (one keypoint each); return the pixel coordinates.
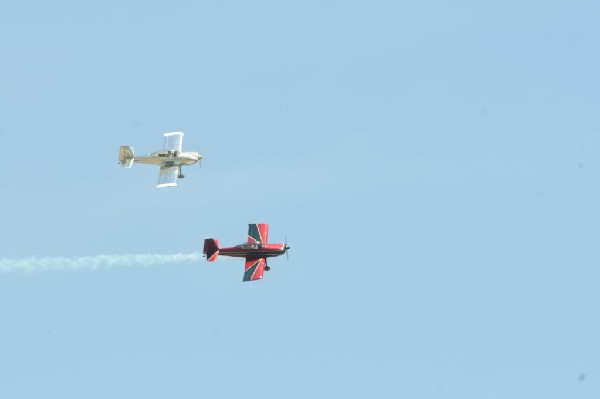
(180, 176)
(267, 268)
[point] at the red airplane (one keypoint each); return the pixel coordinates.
(256, 251)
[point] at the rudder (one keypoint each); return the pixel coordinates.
(126, 156)
(211, 249)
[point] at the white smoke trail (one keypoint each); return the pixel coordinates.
(34, 265)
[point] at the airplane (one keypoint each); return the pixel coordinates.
(256, 251)
(170, 159)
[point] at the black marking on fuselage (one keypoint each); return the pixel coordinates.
(251, 254)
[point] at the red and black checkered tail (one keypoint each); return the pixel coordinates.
(211, 249)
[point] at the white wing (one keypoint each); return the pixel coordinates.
(167, 176)
(174, 141)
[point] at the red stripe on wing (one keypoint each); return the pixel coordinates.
(258, 232)
(254, 269)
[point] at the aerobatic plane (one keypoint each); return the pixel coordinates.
(256, 251)
(170, 159)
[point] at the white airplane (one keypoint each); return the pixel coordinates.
(170, 159)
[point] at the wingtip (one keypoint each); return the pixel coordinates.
(166, 185)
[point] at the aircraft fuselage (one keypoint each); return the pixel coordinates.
(173, 158)
(254, 250)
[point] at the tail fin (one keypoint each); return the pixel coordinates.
(126, 156)
(211, 249)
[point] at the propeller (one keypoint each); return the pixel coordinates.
(286, 248)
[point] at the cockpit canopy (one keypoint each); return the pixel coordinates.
(248, 245)
(164, 154)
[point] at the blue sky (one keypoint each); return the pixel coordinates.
(433, 165)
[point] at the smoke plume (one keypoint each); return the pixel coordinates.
(98, 262)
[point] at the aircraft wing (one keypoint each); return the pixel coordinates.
(174, 141)
(258, 233)
(254, 269)
(167, 176)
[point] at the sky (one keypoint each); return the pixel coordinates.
(433, 166)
